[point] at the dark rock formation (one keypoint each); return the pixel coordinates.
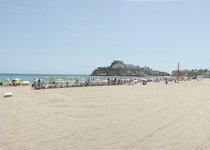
(118, 68)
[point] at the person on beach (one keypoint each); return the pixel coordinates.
(115, 81)
(33, 85)
(39, 84)
(118, 81)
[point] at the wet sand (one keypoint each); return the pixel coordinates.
(151, 117)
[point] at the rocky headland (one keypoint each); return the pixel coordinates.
(119, 68)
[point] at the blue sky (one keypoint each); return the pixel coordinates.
(77, 36)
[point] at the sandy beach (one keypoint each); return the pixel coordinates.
(151, 117)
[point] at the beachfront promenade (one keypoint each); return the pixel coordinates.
(151, 117)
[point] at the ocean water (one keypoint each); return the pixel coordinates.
(64, 77)
(31, 77)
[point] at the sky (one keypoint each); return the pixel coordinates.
(77, 36)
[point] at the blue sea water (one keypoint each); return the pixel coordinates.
(64, 77)
(31, 77)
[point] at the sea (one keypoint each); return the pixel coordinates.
(64, 77)
(32, 77)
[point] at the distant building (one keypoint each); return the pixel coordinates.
(182, 73)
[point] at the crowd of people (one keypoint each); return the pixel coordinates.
(40, 84)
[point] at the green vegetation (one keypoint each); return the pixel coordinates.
(193, 73)
(200, 72)
(119, 68)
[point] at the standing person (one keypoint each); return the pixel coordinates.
(39, 83)
(115, 81)
(33, 85)
(108, 81)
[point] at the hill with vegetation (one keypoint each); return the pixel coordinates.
(119, 68)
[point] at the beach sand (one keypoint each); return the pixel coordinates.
(151, 117)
